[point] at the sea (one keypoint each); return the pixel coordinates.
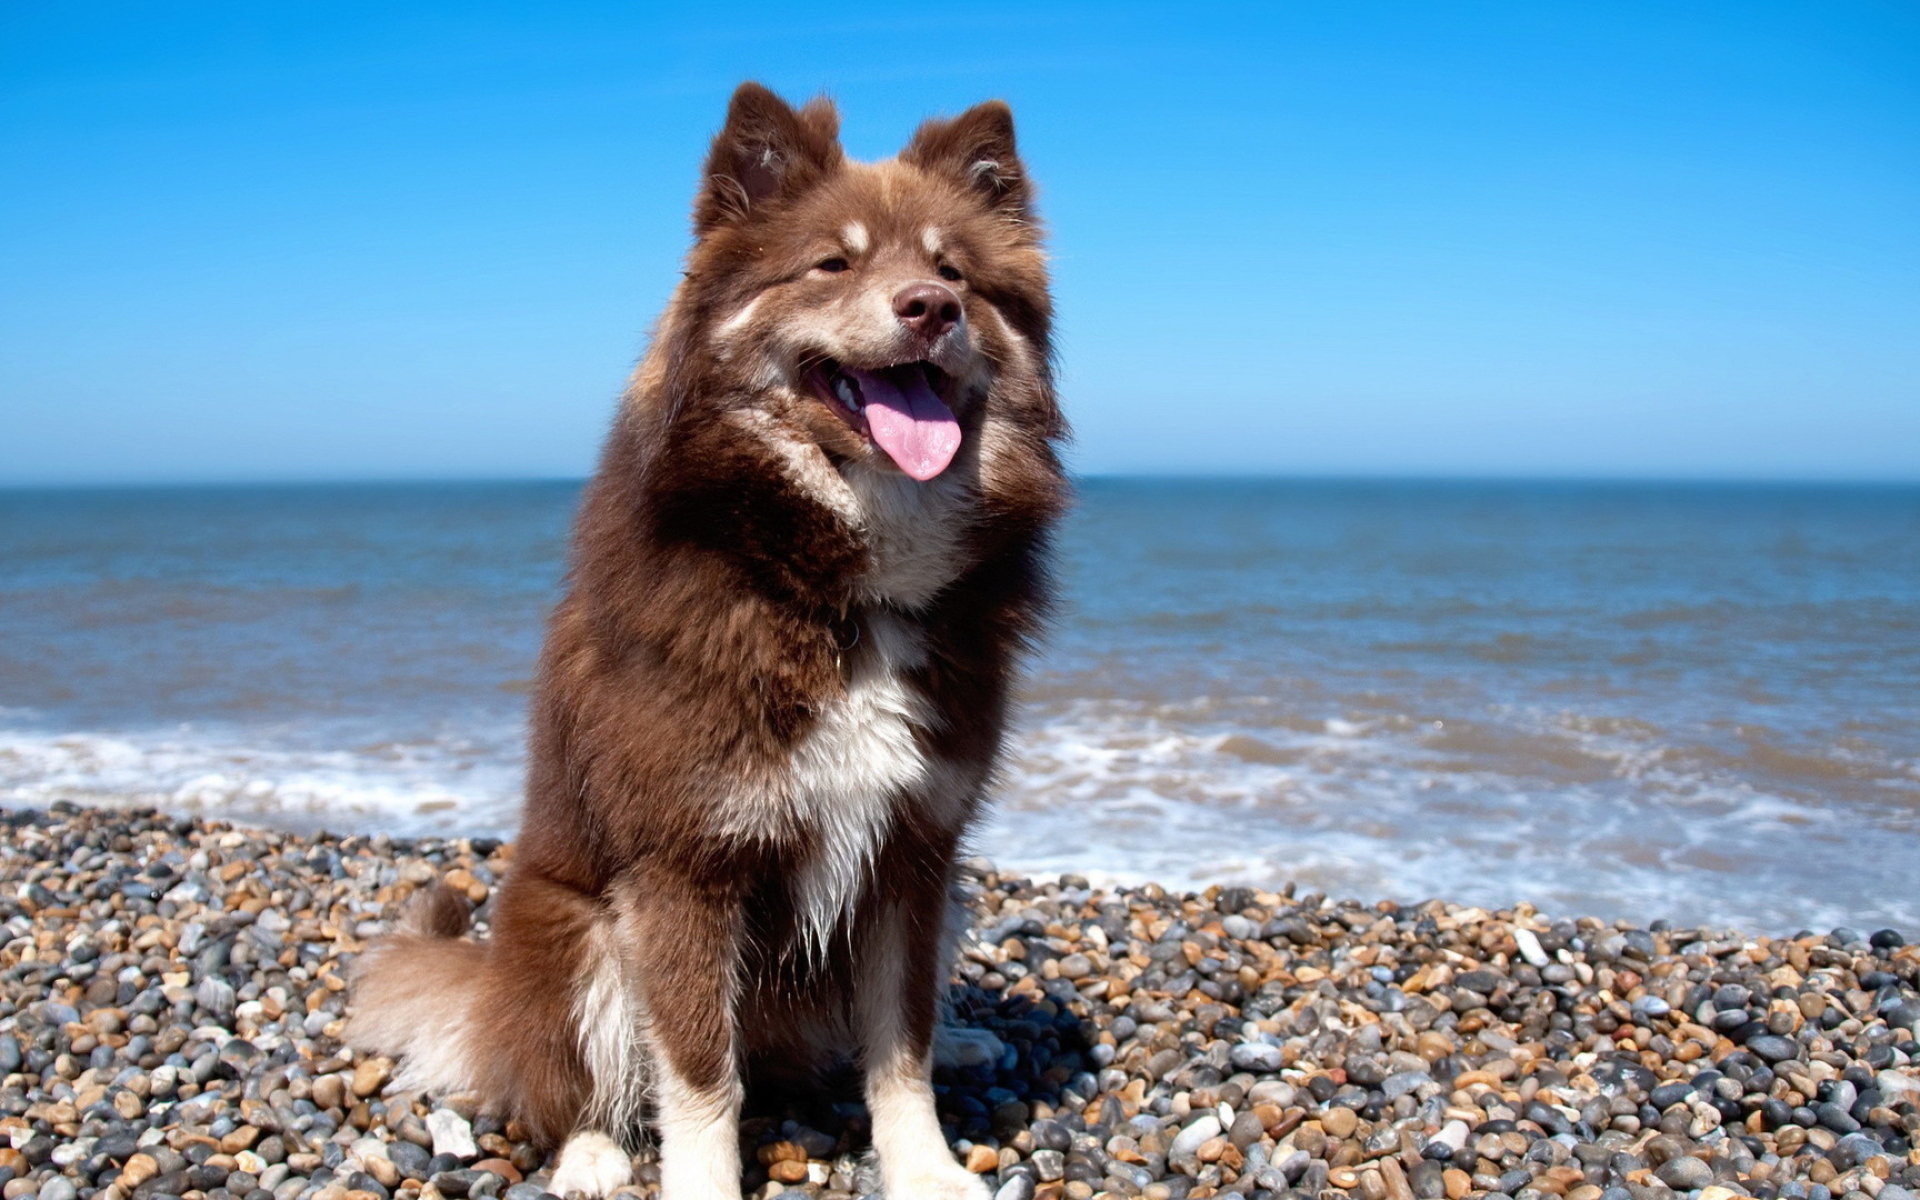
(1698, 702)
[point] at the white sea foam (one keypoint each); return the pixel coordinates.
(1573, 815)
(1368, 808)
(428, 787)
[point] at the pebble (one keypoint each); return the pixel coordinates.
(1528, 943)
(1018, 1187)
(370, 1075)
(1257, 1057)
(1452, 1135)
(179, 1038)
(1186, 1146)
(1684, 1173)
(451, 1134)
(411, 1160)
(1773, 1048)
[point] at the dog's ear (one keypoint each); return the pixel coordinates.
(976, 149)
(766, 151)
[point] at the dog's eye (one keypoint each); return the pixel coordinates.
(835, 265)
(950, 273)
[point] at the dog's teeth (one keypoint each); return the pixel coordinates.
(849, 396)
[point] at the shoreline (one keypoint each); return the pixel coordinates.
(170, 992)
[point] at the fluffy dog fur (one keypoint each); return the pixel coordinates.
(779, 680)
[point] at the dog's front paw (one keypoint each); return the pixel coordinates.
(592, 1165)
(949, 1182)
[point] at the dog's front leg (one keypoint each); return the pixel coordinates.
(689, 957)
(897, 998)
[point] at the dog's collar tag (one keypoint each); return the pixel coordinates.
(845, 632)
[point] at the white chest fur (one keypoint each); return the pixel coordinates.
(861, 758)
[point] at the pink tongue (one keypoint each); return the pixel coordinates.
(908, 420)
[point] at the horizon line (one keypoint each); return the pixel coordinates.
(1649, 479)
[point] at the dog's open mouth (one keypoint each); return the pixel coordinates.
(898, 407)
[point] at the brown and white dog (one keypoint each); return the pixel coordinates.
(777, 687)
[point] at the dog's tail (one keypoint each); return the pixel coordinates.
(414, 992)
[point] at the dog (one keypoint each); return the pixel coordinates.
(802, 581)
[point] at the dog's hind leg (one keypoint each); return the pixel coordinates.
(610, 1020)
(685, 943)
(903, 954)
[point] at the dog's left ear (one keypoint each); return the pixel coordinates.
(767, 150)
(975, 149)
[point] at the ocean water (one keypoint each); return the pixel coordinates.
(1629, 700)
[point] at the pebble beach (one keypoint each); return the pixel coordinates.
(172, 990)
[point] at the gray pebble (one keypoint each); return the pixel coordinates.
(1853, 1150)
(411, 1160)
(457, 1182)
(1684, 1174)
(1048, 1165)
(1403, 1083)
(1257, 1057)
(1773, 1048)
(1191, 1138)
(1428, 1180)
(215, 995)
(1836, 1118)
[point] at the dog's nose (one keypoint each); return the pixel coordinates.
(927, 308)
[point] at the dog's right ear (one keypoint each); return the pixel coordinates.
(765, 152)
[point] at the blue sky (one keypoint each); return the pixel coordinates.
(309, 241)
